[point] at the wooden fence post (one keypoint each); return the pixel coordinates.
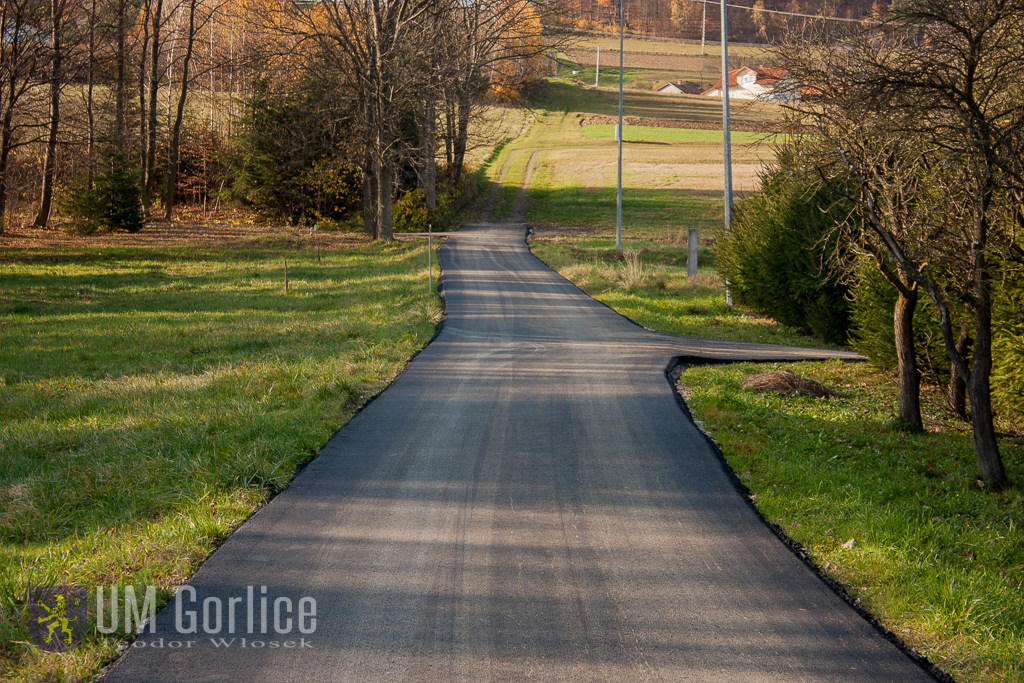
(691, 253)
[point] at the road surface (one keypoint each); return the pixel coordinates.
(526, 502)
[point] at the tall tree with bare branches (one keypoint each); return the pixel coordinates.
(60, 25)
(374, 37)
(922, 112)
(186, 80)
(22, 53)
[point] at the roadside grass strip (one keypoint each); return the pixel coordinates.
(152, 398)
(935, 559)
(661, 297)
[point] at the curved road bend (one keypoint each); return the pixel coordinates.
(526, 502)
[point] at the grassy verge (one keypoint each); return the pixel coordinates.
(660, 296)
(152, 397)
(937, 560)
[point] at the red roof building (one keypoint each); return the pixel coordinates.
(750, 83)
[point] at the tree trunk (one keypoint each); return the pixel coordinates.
(449, 136)
(383, 229)
(909, 378)
(429, 175)
(46, 200)
(154, 92)
(5, 153)
(120, 82)
(990, 464)
(89, 99)
(461, 140)
(143, 137)
(172, 156)
(986, 448)
(957, 384)
(7, 142)
(369, 199)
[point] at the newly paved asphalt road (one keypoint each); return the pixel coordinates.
(526, 502)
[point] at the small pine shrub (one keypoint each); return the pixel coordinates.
(113, 202)
(776, 254)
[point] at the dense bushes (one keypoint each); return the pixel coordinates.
(776, 254)
(290, 161)
(112, 202)
(872, 335)
(409, 214)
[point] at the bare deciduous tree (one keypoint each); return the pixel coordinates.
(374, 38)
(60, 24)
(22, 52)
(491, 51)
(923, 111)
(186, 80)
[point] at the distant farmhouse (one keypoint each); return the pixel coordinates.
(677, 88)
(759, 83)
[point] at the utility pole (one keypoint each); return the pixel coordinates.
(597, 75)
(618, 195)
(703, 28)
(726, 137)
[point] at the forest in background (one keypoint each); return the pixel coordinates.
(113, 112)
(687, 19)
(116, 111)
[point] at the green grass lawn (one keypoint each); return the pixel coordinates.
(152, 397)
(662, 298)
(672, 177)
(634, 78)
(937, 560)
(610, 44)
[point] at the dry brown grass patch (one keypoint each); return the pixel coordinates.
(787, 382)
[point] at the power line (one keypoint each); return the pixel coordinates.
(775, 11)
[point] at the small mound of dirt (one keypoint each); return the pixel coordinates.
(785, 382)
